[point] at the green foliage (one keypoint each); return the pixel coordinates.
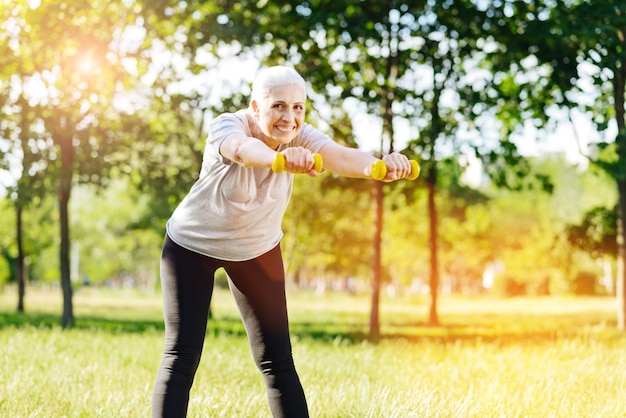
(108, 246)
(448, 68)
(327, 229)
(46, 270)
(5, 272)
(513, 228)
(69, 63)
(580, 64)
(69, 49)
(7, 225)
(38, 236)
(597, 233)
(165, 159)
(405, 239)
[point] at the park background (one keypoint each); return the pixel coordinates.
(493, 285)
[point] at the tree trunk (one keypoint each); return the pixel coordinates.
(388, 97)
(619, 92)
(431, 180)
(20, 276)
(65, 188)
(376, 262)
(621, 256)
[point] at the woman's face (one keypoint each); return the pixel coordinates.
(281, 115)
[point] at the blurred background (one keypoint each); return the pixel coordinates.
(514, 109)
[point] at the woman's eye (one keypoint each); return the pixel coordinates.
(282, 106)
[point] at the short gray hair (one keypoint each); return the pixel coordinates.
(271, 77)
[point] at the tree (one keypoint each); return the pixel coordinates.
(24, 154)
(600, 39)
(360, 52)
(585, 42)
(418, 62)
(597, 233)
(374, 54)
(70, 64)
(38, 239)
(249, 26)
(22, 162)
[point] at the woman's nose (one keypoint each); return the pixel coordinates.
(287, 116)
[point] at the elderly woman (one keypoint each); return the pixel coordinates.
(231, 218)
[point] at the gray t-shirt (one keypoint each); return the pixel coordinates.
(232, 212)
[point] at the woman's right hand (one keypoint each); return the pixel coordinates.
(296, 160)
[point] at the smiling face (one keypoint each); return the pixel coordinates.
(280, 115)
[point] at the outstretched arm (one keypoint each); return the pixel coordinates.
(351, 162)
(252, 152)
(247, 151)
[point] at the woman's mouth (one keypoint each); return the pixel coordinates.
(285, 129)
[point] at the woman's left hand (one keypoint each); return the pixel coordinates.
(398, 167)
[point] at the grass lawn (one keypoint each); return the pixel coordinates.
(526, 357)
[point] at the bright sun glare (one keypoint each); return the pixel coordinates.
(85, 65)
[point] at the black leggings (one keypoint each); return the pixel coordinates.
(258, 287)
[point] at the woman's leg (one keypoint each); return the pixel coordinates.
(187, 280)
(259, 289)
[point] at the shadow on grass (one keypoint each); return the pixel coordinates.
(498, 332)
(50, 321)
(341, 333)
(222, 326)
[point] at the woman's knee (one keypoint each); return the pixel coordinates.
(277, 366)
(182, 361)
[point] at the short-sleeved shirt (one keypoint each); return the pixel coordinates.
(234, 212)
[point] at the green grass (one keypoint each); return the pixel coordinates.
(548, 357)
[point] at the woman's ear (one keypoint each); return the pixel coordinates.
(255, 108)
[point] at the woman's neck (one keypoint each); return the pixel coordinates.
(256, 132)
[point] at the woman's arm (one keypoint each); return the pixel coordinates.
(247, 151)
(351, 162)
(252, 152)
(347, 162)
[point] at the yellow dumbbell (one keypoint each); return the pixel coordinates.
(278, 165)
(379, 170)
(318, 163)
(415, 170)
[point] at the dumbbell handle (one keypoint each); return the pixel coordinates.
(278, 165)
(379, 170)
